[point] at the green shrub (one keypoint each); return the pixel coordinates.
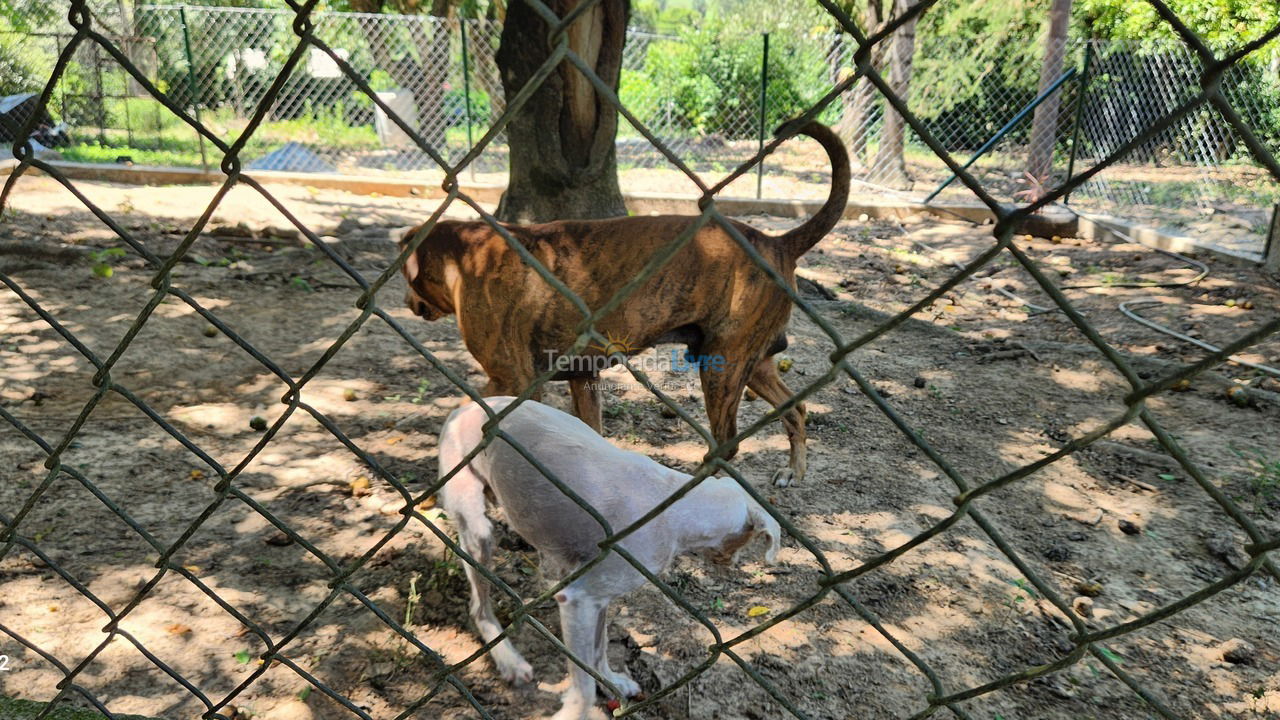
(17, 74)
(707, 81)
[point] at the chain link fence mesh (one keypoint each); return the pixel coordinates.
(274, 94)
(710, 95)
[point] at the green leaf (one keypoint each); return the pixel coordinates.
(242, 657)
(1167, 476)
(304, 693)
(1112, 656)
(103, 270)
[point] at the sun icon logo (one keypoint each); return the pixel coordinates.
(615, 345)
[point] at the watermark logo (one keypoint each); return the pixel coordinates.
(615, 348)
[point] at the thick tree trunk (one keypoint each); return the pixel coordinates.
(562, 142)
(890, 160)
(1044, 124)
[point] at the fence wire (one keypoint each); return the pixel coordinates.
(710, 95)
(313, 46)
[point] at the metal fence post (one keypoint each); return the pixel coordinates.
(1082, 94)
(466, 87)
(191, 82)
(764, 94)
(99, 96)
(1025, 111)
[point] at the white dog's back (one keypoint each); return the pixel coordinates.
(621, 486)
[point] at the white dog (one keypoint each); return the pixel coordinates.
(717, 516)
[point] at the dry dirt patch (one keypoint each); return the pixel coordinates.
(991, 384)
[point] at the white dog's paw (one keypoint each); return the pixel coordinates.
(623, 681)
(513, 668)
(784, 477)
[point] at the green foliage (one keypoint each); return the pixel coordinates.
(1222, 23)
(101, 261)
(17, 72)
(1263, 472)
(706, 80)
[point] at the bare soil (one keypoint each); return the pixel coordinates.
(989, 382)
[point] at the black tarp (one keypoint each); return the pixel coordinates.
(18, 109)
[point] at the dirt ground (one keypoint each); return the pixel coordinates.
(990, 383)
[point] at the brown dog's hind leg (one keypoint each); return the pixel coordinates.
(722, 391)
(768, 385)
(586, 401)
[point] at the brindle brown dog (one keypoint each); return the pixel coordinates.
(709, 296)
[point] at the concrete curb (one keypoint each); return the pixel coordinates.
(1053, 221)
(489, 193)
(1108, 227)
(152, 175)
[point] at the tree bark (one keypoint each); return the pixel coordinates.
(1044, 124)
(563, 160)
(856, 118)
(890, 158)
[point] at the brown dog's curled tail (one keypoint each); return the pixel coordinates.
(798, 240)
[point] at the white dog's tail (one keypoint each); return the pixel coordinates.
(461, 433)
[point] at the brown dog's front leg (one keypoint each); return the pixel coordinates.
(586, 401)
(722, 387)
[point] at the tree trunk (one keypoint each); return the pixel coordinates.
(856, 118)
(562, 141)
(890, 160)
(1044, 125)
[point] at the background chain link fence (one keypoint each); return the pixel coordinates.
(275, 94)
(711, 97)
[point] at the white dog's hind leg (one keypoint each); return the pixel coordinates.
(579, 614)
(463, 499)
(621, 680)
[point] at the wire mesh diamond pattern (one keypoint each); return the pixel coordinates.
(313, 71)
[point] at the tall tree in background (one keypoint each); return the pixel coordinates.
(1044, 124)
(563, 161)
(889, 156)
(855, 120)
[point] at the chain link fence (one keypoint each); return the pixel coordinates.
(274, 93)
(711, 96)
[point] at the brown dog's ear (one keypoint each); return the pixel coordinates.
(411, 264)
(407, 235)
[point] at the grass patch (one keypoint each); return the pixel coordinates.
(1263, 473)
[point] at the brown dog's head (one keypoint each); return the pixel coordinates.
(428, 296)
